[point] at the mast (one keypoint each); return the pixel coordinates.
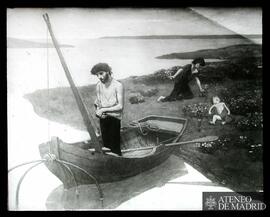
(88, 120)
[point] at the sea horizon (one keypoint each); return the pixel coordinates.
(126, 57)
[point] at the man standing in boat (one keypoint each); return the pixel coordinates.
(109, 106)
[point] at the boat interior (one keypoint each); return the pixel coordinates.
(145, 142)
(137, 139)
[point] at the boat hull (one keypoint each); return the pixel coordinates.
(104, 168)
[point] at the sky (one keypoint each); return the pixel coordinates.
(79, 23)
(239, 20)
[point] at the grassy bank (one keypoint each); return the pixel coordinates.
(237, 80)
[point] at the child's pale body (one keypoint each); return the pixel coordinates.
(221, 111)
(220, 106)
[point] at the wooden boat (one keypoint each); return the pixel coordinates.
(109, 168)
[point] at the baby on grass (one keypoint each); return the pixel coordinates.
(220, 112)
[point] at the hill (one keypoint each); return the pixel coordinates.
(230, 52)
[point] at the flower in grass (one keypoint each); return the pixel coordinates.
(198, 110)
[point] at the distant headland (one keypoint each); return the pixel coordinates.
(22, 43)
(229, 52)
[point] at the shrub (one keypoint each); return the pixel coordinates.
(149, 92)
(242, 102)
(198, 110)
(229, 142)
(157, 77)
(252, 121)
(136, 98)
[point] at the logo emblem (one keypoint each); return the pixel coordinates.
(210, 202)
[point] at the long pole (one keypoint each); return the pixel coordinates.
(199, 140)
(88, 120)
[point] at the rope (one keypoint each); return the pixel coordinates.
(20, 182)
(141, 130)
(34, 161)
(50, 158)
(101, 195)
(142, 125)
(73, 177)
